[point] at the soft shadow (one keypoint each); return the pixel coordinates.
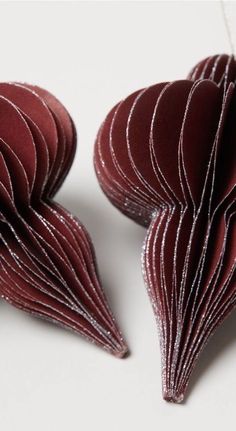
(111, 232)
(222, 341)
(99, 222)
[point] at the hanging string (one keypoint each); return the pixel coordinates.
(227, 26)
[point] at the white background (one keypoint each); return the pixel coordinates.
(90, 55)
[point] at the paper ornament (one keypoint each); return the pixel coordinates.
(47, 259)
(165, 156)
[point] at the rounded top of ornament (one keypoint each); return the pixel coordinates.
(219, 68)
(37, 142)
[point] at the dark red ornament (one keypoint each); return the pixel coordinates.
(165, 156)
(47, 261)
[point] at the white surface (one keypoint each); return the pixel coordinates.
(90, 55)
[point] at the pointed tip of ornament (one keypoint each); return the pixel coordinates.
(122, 353)
(173, 397)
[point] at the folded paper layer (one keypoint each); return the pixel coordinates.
(47, 259)
(165, 156)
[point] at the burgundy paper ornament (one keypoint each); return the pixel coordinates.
(165, 156)
(47, 258)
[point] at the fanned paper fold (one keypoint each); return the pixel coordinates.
(47, 258)
(165, 156)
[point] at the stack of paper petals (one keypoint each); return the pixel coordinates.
(165, 156)
(47, 262)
